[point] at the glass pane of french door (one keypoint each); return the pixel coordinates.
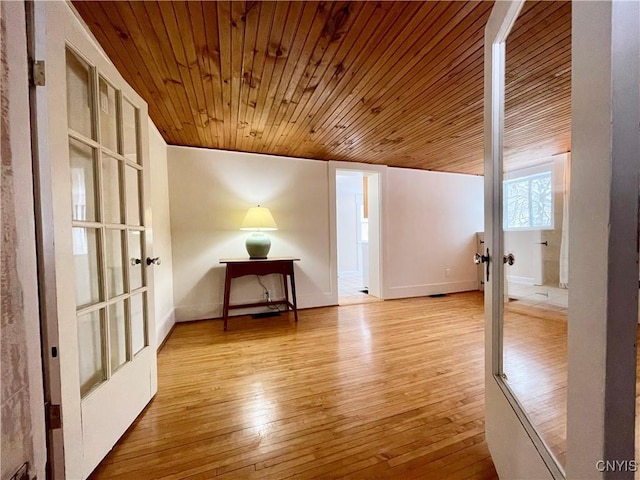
(135, 259)
(83, 181)
(108, 115)
(117, 335)
(111, 189)
(138, 323)
(90, 350)
(115, 262)
(130, 131)
(79, 105)
(86, 263)
(108, 223)
(132, 178)
(535, 214)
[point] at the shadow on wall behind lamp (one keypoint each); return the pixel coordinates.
(258, 220)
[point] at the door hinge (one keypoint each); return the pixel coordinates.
(37, 73)
(54, 417)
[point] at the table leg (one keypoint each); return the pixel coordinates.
(293, 293)
(286, 289)
(227, 294)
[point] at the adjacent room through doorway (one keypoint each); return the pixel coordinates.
(354, 206)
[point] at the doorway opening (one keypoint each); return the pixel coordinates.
(358, 234)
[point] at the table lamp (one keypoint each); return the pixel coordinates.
(258, 219)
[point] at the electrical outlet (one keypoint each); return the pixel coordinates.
(447, 272)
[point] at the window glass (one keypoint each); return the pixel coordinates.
(528, 202)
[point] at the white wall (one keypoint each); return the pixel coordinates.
(429, 218)
(430, 232)
(210, 192)
(348, 191)
(163, 274)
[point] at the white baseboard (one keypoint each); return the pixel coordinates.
(164, 326)
(521, 280)
(187, 313)
(323, 299)
(408, 291)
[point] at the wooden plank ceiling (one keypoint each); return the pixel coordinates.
(395, 83)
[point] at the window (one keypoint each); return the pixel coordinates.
(528, 202)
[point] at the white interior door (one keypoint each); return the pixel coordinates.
(93, 136)
(516, 448)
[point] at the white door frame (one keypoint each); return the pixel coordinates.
(603, 271)
(376, 275)
(46, 247)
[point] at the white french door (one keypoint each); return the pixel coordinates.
(516, 448)
(93, 137)
(603, 262)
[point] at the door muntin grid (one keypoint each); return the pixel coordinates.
(107, 211)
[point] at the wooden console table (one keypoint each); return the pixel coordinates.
(239, 267)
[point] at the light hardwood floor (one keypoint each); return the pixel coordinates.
(380, 390)
(535, 362)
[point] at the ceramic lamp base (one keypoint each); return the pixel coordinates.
(258, 245)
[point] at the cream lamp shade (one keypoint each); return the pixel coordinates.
(258, 219)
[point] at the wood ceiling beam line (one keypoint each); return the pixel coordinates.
(453, 97)
(324, 52)
(534, 19)
(213, 81)
(316, 28)
(272, 46)
(359, 68)
(249, 78)
(345, 58)
(224, 39)
(552, 27)
(388, 92)
(292, 64)
(204, 76)
(151, 13)
(108, 37)
(181, 24)
(147, 77)
(417, 98)
(238, 32)
(403, 45)
(449, 100)
(269, 101)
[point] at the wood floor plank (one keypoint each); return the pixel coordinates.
(375, 390)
